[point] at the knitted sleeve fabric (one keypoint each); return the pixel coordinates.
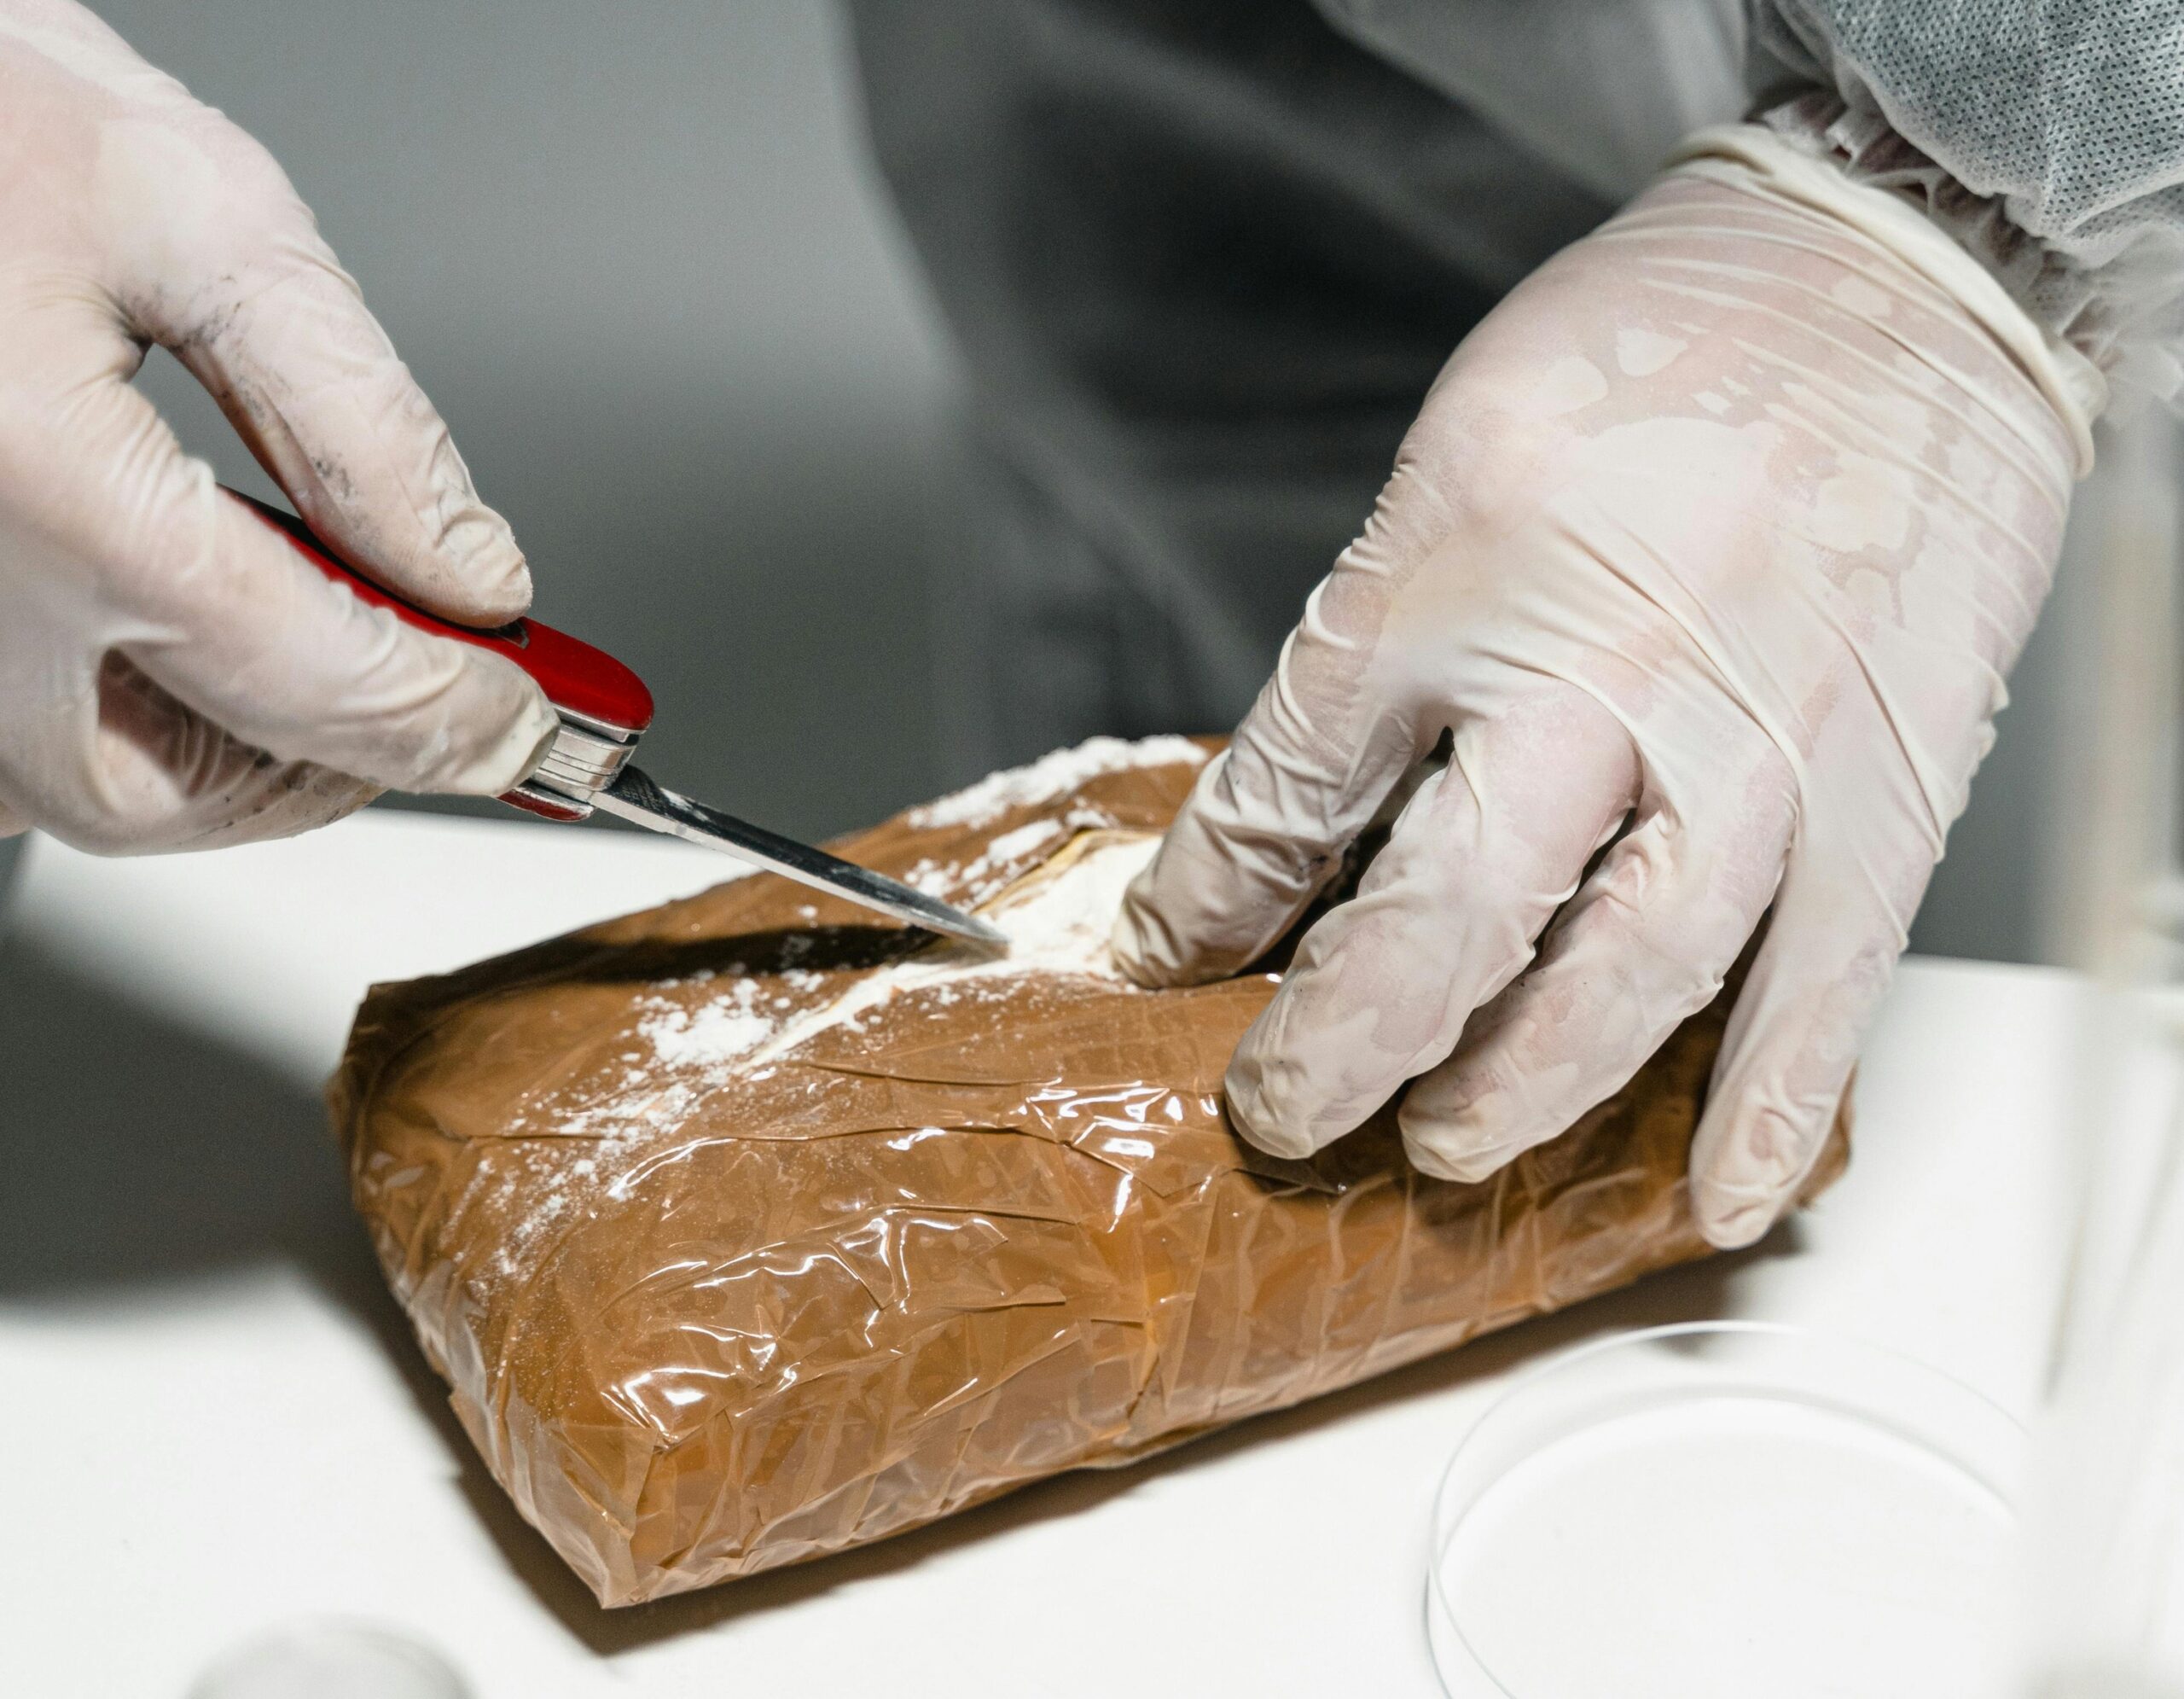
(2048, 136)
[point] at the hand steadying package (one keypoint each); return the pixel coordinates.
(753, 1228)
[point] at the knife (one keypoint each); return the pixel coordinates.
(604, 708)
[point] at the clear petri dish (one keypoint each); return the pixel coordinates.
(323, 1657)
(1726, 1508)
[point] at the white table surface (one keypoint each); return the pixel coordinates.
(214, 1418)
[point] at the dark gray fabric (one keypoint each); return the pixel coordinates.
(1603, 89)
(1203, 261)
(11, 855)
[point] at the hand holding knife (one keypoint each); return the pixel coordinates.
(604, 708)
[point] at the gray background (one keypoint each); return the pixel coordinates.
(634, 255)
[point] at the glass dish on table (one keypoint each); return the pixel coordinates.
(1720, 1509)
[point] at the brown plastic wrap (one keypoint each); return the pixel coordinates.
(725, 1273)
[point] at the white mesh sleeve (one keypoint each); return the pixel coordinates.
(2047, 136)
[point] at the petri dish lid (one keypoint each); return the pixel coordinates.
(328, 1658)
(1726, 1508)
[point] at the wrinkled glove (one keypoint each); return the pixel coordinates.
(171, 674)
(1710, 548)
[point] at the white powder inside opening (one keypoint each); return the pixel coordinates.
(1061, 924)
(1052, 775)
(975, 881)
(1055, 925)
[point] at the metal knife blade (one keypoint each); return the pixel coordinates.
(634, 796)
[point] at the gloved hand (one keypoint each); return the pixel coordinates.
(1712, 547)
(172, 675)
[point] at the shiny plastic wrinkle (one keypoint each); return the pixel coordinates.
(750, 1229)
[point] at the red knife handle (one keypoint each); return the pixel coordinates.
(576, 678)
(603, 704)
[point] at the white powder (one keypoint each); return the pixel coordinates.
(934, 878)
(720, 1030)
(973, 881)
(712, 1034)
(1060, 924)
(1052, 775)
(1057, 924)
(1010, 845)
(1057, 921)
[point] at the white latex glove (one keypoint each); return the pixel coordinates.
(1712, 545)
(172, 675)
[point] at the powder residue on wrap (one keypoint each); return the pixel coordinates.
(754, 1227)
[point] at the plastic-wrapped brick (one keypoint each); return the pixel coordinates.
(753, 1227)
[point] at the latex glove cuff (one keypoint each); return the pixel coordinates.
(2104, 327)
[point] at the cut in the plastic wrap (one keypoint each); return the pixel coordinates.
(754, 1227)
